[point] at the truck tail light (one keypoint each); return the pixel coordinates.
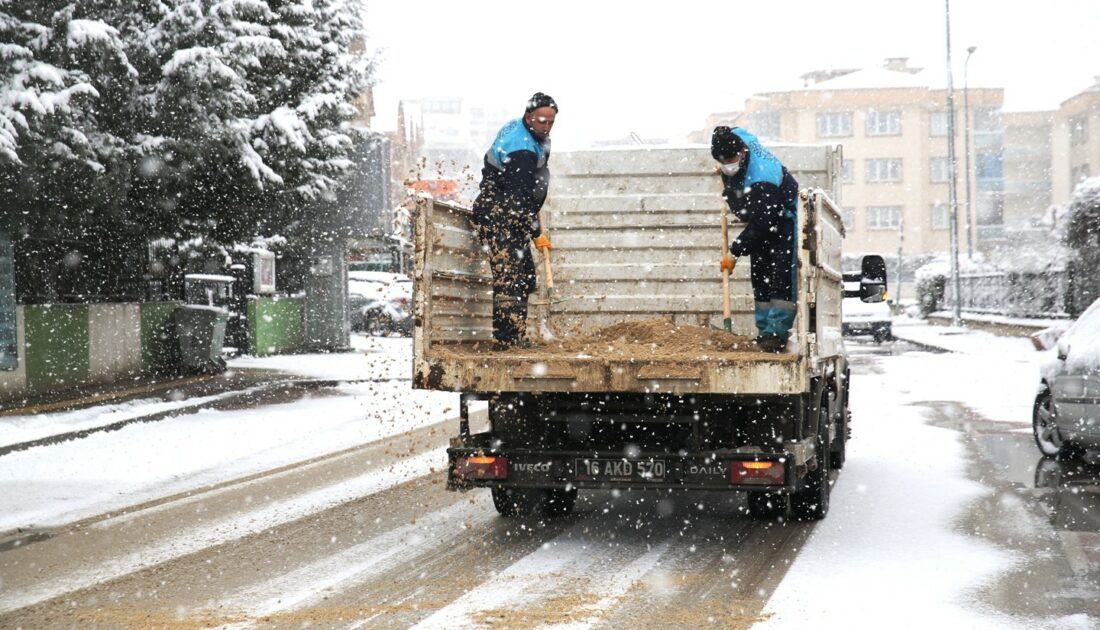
(481, 467)
(762, 473)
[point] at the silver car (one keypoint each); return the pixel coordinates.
(1066, 414)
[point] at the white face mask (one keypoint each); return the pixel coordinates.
(729, 170)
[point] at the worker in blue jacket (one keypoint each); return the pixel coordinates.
(514, 182)
(761, 193)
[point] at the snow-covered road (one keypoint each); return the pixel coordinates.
(329, 510)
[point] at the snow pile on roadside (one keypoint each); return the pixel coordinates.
(373, 358)
(19, 429)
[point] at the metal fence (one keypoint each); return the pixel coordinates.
(1015, 294)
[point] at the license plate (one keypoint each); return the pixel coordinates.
(620, 469)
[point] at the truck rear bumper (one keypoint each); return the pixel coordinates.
(480, 465)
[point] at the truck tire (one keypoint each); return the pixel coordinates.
(811, 501)
(518, 501)
(560, 501)
(838, 449)
(766, 505)
(880, 335)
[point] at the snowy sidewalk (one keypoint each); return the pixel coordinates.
(369, 398)
(373, 360)
(961, 340)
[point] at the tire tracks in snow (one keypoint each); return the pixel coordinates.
(108, 547)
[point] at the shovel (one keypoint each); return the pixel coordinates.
(727, 319)
(727, 322)
(549, 296)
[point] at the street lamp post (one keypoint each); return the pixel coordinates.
(901, 241)
(966, 144)
(956, 313)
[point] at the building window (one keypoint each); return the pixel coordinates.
(940, 169)
(988, 119)
(938, 124)
(883, 217)
(848, 171)
(848, 215)
(442, 107)
(988, 165)
(884, 170)
(883, 123)
(765, 124)
(834, 124)
(1078, 130)
(941, 216)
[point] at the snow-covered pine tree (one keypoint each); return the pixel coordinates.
(252, 102)
(218, 118)
(59, 162)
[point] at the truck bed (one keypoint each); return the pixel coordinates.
(655, 355)
(636, 238)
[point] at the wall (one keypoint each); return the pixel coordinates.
(114, 341)
(68, 345)
(56, 345)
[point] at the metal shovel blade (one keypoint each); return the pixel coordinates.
(551, 298)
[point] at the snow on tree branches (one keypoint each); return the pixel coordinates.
(221, 117)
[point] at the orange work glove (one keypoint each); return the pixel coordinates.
(542, 243)
(727, 263)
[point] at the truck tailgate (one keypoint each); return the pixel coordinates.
(463, 367)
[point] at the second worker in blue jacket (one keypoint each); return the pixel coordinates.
(514, 182)
(762, 194)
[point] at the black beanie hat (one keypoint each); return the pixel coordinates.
(540, 100)
(724, 144)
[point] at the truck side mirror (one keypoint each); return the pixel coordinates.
(872, 282)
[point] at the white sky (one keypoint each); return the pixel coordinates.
(616, 67)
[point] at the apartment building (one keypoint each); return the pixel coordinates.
(1028, 171)
(892, 123)
(1076, 142)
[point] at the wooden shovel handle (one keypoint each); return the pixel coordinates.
(546, 268)
(545, 253)
(726, 308)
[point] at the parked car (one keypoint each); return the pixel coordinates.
(866, 318)
(378, 303)
(1065, 418)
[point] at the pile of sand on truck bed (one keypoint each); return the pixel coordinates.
(643, 339)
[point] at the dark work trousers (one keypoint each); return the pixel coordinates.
(513, 278)
(773, 266)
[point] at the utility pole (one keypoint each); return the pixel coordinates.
(966, 142)
(901, 241)
(956, 313)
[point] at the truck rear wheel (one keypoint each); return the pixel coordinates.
(560, 501)
(518, 501)
(766, 505)
(838, 449)
(811, 501)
